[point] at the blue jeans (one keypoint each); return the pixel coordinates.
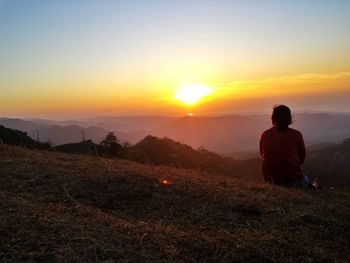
(304, 183)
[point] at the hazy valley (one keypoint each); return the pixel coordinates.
(221, 134)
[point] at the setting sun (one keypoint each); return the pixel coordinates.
(192, 93)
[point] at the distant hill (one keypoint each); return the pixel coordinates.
(19, 138)
(129, 124)
(153, 150)
(232, 134)
(71, 134)
(322, 127)
(219, 134)
(86, 148)
(57, 134)
(22, 125)
(235, 133)
(243, 155)
(68, 122)
(57, 207)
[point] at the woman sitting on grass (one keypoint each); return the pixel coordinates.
(282, 150)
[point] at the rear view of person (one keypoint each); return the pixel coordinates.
(282, 150)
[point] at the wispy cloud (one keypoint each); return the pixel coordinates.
(288, 84)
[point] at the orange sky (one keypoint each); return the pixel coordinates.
(66, 60)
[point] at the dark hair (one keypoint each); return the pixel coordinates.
(281, 117)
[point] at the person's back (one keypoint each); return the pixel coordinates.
(282, 150)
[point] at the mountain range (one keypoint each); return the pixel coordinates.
(222, 134)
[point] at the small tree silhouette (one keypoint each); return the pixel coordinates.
(111, 143)
(110, 139)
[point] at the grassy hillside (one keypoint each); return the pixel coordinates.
(330, 164)
(60, 207)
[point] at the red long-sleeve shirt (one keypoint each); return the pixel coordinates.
(282, 155)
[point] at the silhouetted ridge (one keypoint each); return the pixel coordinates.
(86, 148)
(19, 138)
(165, 151)
(109, 147)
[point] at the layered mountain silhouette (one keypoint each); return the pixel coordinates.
(227, 134)
(220, 134)
(56, 134)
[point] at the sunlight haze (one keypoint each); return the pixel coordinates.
(192, 93)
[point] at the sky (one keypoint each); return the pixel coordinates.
(65, 59)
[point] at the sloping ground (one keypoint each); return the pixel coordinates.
(330, 164)
(60, 207)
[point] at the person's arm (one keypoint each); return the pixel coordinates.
(301, 149)
(260, 147)
(265, 175)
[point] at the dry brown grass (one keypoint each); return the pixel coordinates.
(60, 207)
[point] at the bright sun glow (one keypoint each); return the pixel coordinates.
(192, 93)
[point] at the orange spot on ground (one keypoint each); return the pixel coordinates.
(165, 181)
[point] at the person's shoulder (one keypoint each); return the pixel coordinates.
(295, 132)
(267, 132)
